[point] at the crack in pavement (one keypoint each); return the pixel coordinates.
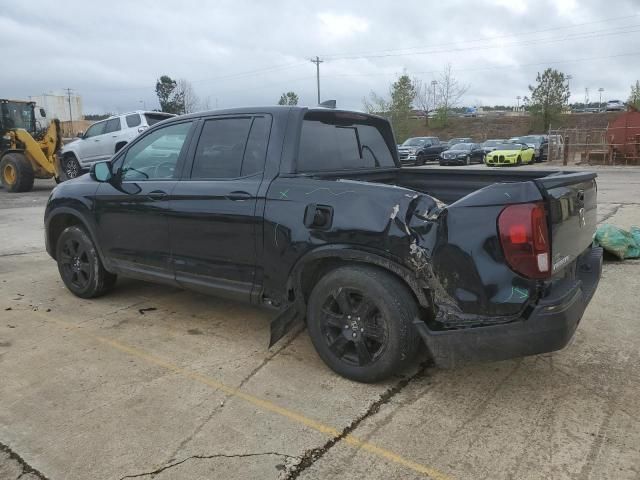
(267, 359)
(26, 468)
(208, 457)
(313, 455)
(613, 211)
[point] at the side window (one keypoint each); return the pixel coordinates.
(133, 120)
(155, 156)
(221, 148)
(95, 129)
(112, 125)
(254, 154)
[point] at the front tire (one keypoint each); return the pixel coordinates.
(360, 322)
(16, 173)
(420, 160)
(70, 167)
(467, 160)
(79, 264)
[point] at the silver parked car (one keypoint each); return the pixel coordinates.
(104, 138)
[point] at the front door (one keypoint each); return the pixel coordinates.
(131, 209)
(214, 226)
(89, 146)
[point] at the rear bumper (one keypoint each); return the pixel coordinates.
(548, 328)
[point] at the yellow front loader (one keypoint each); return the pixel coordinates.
(26, 152)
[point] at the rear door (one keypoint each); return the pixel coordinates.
(572, 202)
(214, 227)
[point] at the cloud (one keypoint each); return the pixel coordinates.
(242, 52)
(339, 26)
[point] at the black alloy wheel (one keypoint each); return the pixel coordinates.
(74, 263)
(361, 322)
(353, 327)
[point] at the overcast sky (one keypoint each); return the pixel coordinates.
(239, 53)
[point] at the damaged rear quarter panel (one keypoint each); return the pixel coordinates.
(453, 251)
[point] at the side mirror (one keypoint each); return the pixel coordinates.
(101, 171)
(43, 114)
(80, 134)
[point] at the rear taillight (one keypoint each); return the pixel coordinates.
(525, 239)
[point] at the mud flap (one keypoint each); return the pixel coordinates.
(283, 323)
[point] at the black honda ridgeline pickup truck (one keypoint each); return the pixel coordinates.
(307, 211)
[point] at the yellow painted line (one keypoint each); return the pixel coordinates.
(256, 401)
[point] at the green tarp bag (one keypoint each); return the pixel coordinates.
(617, 241)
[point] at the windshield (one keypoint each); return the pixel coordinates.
(530, 139)
(17, 115)
(492, 143)
(508, 146)
(414, 142)
(344, 141)
(461, 146)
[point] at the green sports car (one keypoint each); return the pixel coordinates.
(510, 154)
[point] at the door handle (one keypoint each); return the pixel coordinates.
(157, 195)
(239, 196)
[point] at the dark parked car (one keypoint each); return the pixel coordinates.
(490, 145)
(308, 212)
(455, 141)
(462, 154)
(419, 150)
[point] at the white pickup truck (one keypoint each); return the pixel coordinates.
(104, 138)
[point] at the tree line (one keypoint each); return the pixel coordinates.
(436, 98)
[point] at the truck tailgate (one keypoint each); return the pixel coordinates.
(571, 199)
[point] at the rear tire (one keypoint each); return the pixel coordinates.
(360, 320)
(16, 172)
(79, 264)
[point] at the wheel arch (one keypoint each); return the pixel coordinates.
(312, 266)
(61, 218)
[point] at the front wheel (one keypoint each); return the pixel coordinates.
(70, 167)
(360, 322)
(420, 160)
(79, 264)
(467, 160)
(16, 173)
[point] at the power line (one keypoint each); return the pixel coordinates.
(494, 37)
(576, 36)
(553, 62)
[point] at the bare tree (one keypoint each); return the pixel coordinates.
(377, 105)
(449, 92)
(425, 98)
(188, 95)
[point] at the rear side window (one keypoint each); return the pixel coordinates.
(254, 154)
(153, 118)
(221, 148)
(133, 120)
(329, 142)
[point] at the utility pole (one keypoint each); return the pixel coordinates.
(433, 84)
(600, 101)
(317, 61)
(569, 77)
(586, 96)
(70, 114)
